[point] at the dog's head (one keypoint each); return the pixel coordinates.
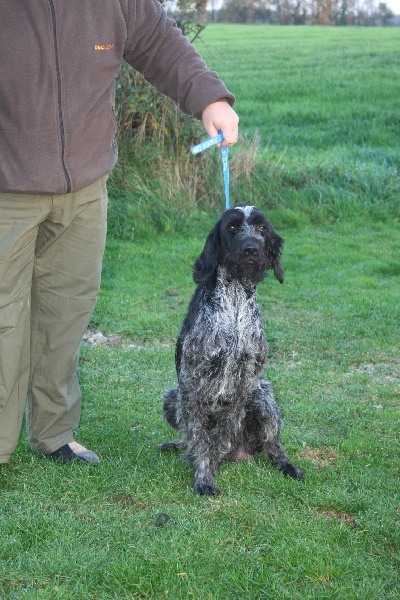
(245, 243)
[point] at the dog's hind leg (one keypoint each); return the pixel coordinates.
(172, 445)
(280, 460)
(171, 402)
(262, 429)
(171, 399)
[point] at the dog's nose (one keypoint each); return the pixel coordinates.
(250, 249)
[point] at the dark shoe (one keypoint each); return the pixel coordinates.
(69, 452)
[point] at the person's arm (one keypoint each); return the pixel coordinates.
(157, 48)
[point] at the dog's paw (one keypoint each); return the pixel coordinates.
(173, 445)
(290, 470)
(206, 488)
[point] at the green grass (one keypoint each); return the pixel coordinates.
(322, 101)
(312, 88)
(95, 532)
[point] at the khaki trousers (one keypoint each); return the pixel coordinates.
(51, 250)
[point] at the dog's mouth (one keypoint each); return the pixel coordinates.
(248, 270)
(248, 263)
(252, 260)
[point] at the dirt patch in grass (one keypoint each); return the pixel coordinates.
(322, 457)
(380, 373)
(342, 517)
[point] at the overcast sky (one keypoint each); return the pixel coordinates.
(394, 5)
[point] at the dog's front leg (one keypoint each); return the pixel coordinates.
(199, 456)
(204, 483)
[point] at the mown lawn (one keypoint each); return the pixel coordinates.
(131, 527)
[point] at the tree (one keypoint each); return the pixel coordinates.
(385, 13)
(190, 15)
(238, 11)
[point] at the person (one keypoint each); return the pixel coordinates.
(57, 147)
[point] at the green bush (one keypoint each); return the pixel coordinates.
(155, 184)
(143, 113)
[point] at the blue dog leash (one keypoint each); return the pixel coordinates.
(224, 156)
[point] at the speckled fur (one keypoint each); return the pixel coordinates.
(223, 407)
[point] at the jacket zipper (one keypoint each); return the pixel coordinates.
(60, 112)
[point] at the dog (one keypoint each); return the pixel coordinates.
(223, 406)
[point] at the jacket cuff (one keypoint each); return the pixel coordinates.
(228, 99)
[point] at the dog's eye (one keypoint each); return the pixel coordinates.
(232, 227)
(262, 228)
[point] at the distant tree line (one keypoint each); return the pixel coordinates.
(302, 12)
(368, 13)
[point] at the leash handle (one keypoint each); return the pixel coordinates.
(207, 144)
(224, 156)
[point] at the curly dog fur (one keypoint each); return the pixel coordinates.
(223, 407)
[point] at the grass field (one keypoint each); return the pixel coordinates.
(319, 132)
(312, 89)
(324, 102)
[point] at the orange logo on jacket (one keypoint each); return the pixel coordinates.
(104, 46)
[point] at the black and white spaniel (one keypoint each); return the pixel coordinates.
(223, 406)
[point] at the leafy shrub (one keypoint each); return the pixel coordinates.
(155, 185)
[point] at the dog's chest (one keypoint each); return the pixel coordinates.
(227, 339)
(235, 321)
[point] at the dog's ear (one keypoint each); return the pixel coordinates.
(274, 244)
(207, 263)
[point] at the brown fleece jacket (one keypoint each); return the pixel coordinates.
(59, 59)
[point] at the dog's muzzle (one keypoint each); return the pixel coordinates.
(251, 250)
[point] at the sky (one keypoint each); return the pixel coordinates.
(394, 5)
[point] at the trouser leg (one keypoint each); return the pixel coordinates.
(66, 280)
(20, 216)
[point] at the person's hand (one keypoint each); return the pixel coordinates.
(220, 116)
